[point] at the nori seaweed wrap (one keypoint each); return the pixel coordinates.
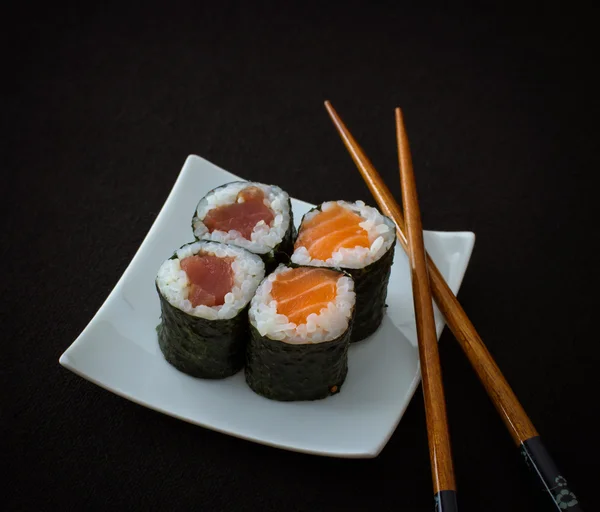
(205, 290)
(255, 216)
(301, 321)
(356, 239)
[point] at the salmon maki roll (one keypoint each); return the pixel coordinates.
(251, 215)
(359, 240)
(300, 324)
(205, 290)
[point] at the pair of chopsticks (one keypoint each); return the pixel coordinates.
(427, 281)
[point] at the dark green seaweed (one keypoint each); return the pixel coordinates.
(370, 285)
(282, 252)
(288, 372)
(209, 349)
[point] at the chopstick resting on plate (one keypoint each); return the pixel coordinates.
(503, 397)
(440, 453)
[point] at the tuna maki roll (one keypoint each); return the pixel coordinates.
(205, 289)
(251, 215)
(300, 325)
(359, 240)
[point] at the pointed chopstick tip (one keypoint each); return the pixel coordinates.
(399, 120)
(404, 156)
(330, 110)
(341, 128)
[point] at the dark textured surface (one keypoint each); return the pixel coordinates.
(370, 285)
(282, 252)
(290, 372)
(212, 349)
(101, 108)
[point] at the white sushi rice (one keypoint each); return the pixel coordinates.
(264, 238)
(380, 230)
(328, 325)
(248, 272)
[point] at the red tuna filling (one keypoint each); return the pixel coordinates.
(211, 278)
(240, 216)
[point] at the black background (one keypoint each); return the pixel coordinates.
(103, 106)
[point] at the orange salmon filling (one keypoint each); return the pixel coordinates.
(303, 291)
(331, 230)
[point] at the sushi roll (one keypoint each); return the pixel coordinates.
(300, 324)
(251, 215)
(205, 290)
(359, 240)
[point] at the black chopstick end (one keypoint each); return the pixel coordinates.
(541, 464)
(445, 501)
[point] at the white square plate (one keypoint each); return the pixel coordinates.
(118, 349)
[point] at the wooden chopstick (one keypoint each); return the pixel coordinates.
(440, 453)
(503, 397)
